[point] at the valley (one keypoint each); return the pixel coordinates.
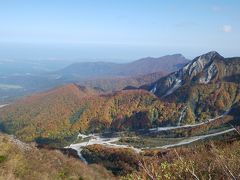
(119, 90)
(20, 78)
(146, 142)
(118, 129)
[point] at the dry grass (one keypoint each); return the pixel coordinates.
(31, 163)
(219, 160)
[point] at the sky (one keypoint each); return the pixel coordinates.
(117, 30)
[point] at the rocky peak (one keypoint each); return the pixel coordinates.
(209, 56)
(201, 62)
(204, 64)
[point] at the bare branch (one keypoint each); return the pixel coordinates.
(191, 171)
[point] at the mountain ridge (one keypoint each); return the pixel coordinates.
(203, 70)
(63, 112)
(208, 85)
(102, 75)
(142, 66)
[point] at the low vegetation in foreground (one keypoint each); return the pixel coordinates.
(22, 161)
(207, 160)
(219, 160)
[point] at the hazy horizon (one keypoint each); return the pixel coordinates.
(118, 31)
(93, 53)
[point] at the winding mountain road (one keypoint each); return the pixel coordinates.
(111, 142)
(188, 125)
(95, 139)
(194, 139)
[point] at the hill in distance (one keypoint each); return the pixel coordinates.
(119, 83)
(104, 75)
(143, 66)
(59, 114)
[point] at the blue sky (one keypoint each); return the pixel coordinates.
(117, 29)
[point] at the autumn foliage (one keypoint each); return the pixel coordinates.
(63, 112)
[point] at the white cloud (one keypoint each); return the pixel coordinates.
(227, 28)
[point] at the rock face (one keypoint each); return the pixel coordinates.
(205, 69)
(209, 85)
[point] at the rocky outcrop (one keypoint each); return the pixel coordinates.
(207, 68)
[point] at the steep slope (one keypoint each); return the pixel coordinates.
(57, 116)
(209, 85)
(217, 160)
(23, 161)
(205, 69)
(45, 113)
(104, 69)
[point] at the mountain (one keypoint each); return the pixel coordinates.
(104, 75)
(45, 113)
(58, 115)
(147, 65)
(15, 87)
(126, 131)
(205, 69)
(119, 83)
(203, 89)
(209, 85)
